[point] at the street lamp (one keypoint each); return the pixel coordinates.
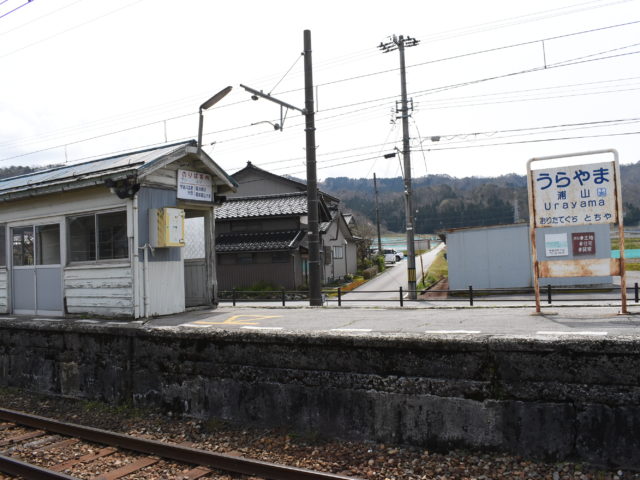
(206, 106)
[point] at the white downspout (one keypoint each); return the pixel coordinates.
(145, 273)
(136, 259)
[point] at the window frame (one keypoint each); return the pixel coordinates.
(96, 246)
(336, 249)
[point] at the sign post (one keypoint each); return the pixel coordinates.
(587, 194)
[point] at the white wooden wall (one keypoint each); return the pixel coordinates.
(99, 289)
(4, 301)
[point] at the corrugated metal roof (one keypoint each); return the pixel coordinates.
(95, 168)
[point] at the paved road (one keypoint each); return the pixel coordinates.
(386, 286)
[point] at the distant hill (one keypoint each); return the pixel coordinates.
(442, 201)
(16, 170)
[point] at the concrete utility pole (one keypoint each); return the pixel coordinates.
(399, 43)
(375, 188)
(315, 280)
(313, 235)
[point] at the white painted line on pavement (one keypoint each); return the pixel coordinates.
(49, 319)
(261, 328)
(571, 333)
(446, 332)
(350, 330)
(192, 325)
(86, 320)
(7, 318)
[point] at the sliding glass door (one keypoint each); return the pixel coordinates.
(36, 270)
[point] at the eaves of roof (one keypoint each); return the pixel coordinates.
(284, 240)
(95, 172)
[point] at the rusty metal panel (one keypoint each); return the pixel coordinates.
(593, 267)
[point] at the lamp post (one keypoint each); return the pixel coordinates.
(206, 106)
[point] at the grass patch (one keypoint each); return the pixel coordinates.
(630, 243)
(438, 270)
(632, 266)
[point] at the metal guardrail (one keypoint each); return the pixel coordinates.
(471, 296)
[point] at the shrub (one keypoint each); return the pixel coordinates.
(370, 272)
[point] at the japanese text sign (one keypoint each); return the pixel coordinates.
(575, 195)
(584, 243)
(195, 186)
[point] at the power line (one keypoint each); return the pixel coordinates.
(415, 94)
(75, 27)
(16, 9)
(38, 18)
(484, 145)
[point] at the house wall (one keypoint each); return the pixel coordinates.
(4, 291)
(165, 276)
(103, 288)
(339, 267)
(257, 225)
(100, 290)
(287, 275)
(500, 257)
(251, 183)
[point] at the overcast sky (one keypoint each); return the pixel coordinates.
(87, 78)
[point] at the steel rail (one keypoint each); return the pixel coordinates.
(14, 466)
(179, 453)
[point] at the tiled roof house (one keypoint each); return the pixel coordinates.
(262, 233)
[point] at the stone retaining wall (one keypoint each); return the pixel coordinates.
(549, 399)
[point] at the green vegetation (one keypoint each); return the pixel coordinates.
(632, 266)
(125, 409)
(439, 269)
(629, 243)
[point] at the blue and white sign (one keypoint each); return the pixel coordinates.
(575, 195)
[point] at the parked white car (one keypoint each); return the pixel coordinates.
(392, 256)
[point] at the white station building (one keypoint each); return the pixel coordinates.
(107, 237)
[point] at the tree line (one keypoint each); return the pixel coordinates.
(443, 202)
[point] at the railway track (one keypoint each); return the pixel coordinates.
(40, 448)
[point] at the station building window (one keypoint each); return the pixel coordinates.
(101, 236)
(22, 246)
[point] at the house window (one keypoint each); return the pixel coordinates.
(280, 257)
(3, 245)
(100, 236)
(337, 251)
(244, 258)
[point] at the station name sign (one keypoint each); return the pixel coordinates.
(576, 195)
(195, 186)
